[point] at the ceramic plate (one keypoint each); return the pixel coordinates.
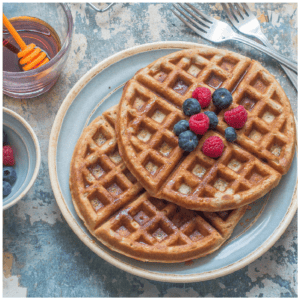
(27, 155)
(100, 89)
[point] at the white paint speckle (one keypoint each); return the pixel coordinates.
(222, 286)
(11, 288)
(39, 211)
(78, 50)
(274, 290)
(156, 22)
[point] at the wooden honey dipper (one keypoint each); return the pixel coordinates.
(32, 57)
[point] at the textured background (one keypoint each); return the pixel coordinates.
(42, 255)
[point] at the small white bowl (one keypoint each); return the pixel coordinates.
(26, 148)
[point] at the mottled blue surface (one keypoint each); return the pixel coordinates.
(44, 252)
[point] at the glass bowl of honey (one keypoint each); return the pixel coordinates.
(47, 25)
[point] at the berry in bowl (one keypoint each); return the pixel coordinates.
(21, 157)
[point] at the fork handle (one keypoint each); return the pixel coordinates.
(291, 75)
(282, 59)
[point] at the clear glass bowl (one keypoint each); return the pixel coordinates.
(38, 81)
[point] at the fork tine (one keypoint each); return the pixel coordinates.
(205, 17)
(191, 20)
(240, 10)
(230, 16)
(247, 9)
(235, 13)
(199, 32)
(196, 17)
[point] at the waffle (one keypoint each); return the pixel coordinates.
(123, 216)
(151, 105)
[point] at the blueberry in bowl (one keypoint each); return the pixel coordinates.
(6, 188)
(9, 175)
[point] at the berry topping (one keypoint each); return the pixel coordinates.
(5, 138)
(9, 175)
(181, 126)
(191, 107)
(213, 119)
(188, 141)
(203, 95)
(236, 117)
(230, 134)
(8, 156)
(6, 188)
(221, 98)
(213, 147)
(199, 123)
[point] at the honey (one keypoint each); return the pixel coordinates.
(31, 30)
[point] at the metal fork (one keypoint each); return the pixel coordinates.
(100, 10)
(244, 21)
(218, 32)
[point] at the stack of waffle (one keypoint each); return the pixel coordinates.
(141, 195)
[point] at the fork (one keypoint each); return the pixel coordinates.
(244, 21)
(218, 32)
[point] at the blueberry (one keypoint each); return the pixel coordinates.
(9, 175)
(181, 126)
(188, 141)
(5, 138)
(221, 98)
(213, 119)
(191, 107)
(230, 134)
(6, 188)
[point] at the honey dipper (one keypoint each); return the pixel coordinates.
(31, 56)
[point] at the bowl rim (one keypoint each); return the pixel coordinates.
(52, 151)
(38, 156)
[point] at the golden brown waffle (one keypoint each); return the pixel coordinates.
(151, 105)
(120, 214)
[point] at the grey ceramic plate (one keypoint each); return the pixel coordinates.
(27, 155)
(100, 89)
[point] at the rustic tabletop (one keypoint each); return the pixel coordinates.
(42, 255)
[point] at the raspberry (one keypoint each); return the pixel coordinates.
(213, 147)
(236, 117)
(199, 123)
(8, 156)
(203, 95)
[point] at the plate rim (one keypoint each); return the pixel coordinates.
(38, 155)
(90, 243)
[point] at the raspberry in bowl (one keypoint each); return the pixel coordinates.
(26, 153)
